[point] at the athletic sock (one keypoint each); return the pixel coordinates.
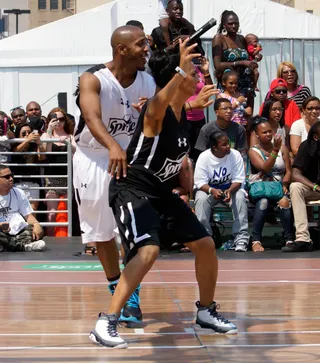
(113, 280)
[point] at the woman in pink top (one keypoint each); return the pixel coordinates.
(196, 117)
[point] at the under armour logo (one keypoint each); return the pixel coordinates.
(84, 185)
(127, 103)
(182, 142)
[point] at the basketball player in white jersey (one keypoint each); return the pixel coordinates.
(106, 123)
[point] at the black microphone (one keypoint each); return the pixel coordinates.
(207, 26)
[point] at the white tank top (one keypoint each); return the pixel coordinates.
(117, 113)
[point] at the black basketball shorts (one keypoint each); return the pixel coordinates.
(142, 220)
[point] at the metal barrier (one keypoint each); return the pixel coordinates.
(42, 176)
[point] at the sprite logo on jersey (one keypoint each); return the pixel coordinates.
(120, 126)
(170, 168)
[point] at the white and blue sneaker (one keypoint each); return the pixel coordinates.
(105, 332)
(210, 320)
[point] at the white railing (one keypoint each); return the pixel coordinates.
(68, 200)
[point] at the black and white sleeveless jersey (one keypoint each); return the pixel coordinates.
(117, 113)
(155, 162)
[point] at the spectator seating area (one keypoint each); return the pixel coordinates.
(265, 148)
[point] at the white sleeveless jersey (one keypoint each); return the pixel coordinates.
(117, 113)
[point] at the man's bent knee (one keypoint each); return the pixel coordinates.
(149, 254)
(240, 195)
(296, 187)
(203, 245)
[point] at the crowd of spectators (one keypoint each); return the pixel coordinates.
(229, 155)
(34, 130)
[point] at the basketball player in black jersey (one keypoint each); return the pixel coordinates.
(155, 155)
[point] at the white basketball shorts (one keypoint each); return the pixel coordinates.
(91, 182)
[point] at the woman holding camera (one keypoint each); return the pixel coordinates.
(270, 162)
(59, 127)
(219, 177)
(31, 143)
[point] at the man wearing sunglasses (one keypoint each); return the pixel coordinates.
(279, 91)
(19, 229)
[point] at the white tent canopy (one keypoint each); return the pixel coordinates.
(84, 38)
(41, 62)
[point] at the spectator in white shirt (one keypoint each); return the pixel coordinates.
(19, 229)
(219, 177)
(300, 128)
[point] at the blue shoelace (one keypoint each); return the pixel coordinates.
(134, 299)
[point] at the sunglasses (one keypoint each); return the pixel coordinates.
(61, 119)
(292, 71)
(8, 176)
(25, 133)
(317, 108)
(280, 91)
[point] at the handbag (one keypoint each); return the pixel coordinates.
(265, 189)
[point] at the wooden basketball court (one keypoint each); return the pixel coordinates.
(49, 303)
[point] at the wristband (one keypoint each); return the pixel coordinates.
(181, 72)
(274, 155)
(209, 191)
(315, 187)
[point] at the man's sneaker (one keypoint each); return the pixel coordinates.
(105, 332)
(298, 246)
(131, 313)
(241, 246)
(36, 246)
(209, 319)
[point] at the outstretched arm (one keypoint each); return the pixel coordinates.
(158, 105)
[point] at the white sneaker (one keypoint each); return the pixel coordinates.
(209, 319)
(35, 246)
(241, 246)
(105, 332)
